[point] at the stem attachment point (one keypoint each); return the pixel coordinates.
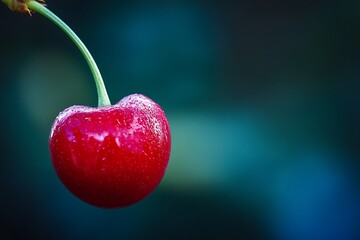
(20, 6)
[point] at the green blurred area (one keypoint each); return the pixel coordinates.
(262, 99)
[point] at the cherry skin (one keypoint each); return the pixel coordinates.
(111, 156)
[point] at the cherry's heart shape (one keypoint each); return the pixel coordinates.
(111, 156)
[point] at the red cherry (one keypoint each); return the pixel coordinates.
(111, 156)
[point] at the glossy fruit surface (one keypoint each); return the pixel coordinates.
(111, 156)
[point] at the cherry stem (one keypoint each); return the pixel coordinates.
(103, 98)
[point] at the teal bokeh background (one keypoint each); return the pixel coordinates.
(262, 98)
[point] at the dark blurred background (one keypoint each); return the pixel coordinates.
(263, 100)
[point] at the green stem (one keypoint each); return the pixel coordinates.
(100, 86)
